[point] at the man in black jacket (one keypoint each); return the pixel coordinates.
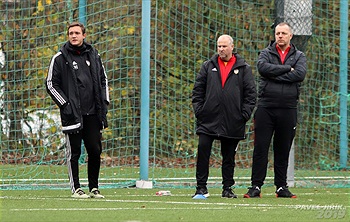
(77, 83)
(282, 68)
(223, 100)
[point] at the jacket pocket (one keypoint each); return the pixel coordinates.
(67, 115)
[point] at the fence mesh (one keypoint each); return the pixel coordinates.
(183, 36)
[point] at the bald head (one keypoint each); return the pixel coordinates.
(226, 37)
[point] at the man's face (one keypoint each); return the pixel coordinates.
(76, 36)
(225, 48)
(283, 36)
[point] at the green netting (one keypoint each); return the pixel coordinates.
(183, 35)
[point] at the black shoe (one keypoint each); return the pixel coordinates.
(284, 192)
(201, 190)
(228, 193)
(253, 192)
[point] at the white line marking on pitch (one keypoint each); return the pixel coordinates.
(218, 206)
(129, 208)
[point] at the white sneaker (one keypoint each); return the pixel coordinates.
(95, 193)
(79, 193)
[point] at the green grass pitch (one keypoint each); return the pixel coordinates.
(143, 205)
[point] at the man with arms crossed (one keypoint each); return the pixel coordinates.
(282, 68)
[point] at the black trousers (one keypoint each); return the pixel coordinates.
(281, 124)
(91, 136)
(228, 152)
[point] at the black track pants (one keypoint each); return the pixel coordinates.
(91, 136)
(281, 125)
(228, 152)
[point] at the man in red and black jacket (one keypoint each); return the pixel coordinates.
(282, 68)
(223, 100)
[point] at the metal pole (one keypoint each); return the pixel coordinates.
(343, 81)
(145, 88)
(290, 169)
(82, 11)
(82, 19)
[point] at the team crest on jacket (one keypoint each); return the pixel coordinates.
(236, 71)
(87, 62)
(75, 65)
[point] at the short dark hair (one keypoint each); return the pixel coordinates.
(73, 24)
(287, 24)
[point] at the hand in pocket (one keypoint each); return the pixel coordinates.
(67, 110)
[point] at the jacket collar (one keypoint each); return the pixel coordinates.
(239, 60)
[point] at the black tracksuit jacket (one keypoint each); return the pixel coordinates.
(278, 86)
(63, 87)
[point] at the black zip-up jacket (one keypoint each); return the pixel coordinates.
(279, 87)
(224, 111)
(62, 86)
